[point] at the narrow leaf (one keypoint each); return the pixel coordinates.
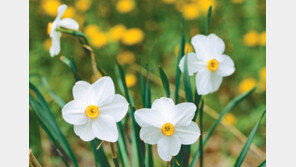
(99, 155)
(208, 19)
(263, 164)
(165, 82)
(201, 134)
(71, 63)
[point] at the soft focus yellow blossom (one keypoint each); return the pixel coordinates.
(91, 30)
(230, 119)
(237, 1)
(251, 38)
(69, 13)
(82, 5)
(98, 39)
(246, 85)
(125, 6)
(125, 57)
(47, 44)
(117, 32)
(262, 75)
(187, 49)
(50, 7)
(168, 1)
(205, 4)
(133, 36)
(262, 39)
(130, 80)
(190, 11)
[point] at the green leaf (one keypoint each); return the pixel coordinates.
(100, 70)
(99, 155)
(137, 152)
(263, 164)
(43, 112)
(165, 82)
(208, 19)
(244, 151)
(180, 55)
(122, 149)
(71, 63)
(197, 100)
(201, 134)
(228, 108)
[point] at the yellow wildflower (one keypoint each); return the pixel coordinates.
(130, 80)
(262, 75)
(125, 57)
(82, 5)
(91, 30)
(246, 85)
(69, 13)
(50, 7)
(117, 32)
(262, 39)
(125, 6)
(47, 44)
(251, 38)
(190, 11)
(187, 48)
(133, 36)
(98, 40)
(237, 1)
(230, 119)
(168, 1)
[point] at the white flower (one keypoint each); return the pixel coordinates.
(95, 110)
(57, 23)
(209, 62)
(168, 125)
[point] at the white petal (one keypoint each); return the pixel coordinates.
(69, 23)
(226, 66)
(166, 108)
(168, 146)
(188, 134)
(149, 118)
(73, 113)
(55, 43)
(185, 113)
(216, 81)
(103, 90)
(104, 128)
(193, 63)
(216, 44)
(61, 10)
(85, 131)
(82, 91)
(116, 109)
(207, 82)
(150, 135)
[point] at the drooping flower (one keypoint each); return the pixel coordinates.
(168, 125)
(95, 110)
(55, 35)
(208, 62)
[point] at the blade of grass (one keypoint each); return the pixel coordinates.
(165, 82)
(263, 164)
(71, 63)
(121, 144)
(99, 155)
(136, 149)
(228, 108)
(47, 117)
(208, 19)
(244, 151)
(201, 134)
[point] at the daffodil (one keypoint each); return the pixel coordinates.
(55, 35)
(168, 125)
(95, 110)
(208, 62)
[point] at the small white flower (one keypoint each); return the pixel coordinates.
(209, 62)
(95, 110)
(55, 35)
(168, 125)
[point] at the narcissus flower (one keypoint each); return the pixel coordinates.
(95, 110)
(208, 62)
(55, 35)
(168, 125)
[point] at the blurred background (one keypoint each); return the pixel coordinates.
(140, 32)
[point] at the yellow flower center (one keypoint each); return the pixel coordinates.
(49, 28)
(92, 111)
(213, 65)
(168, 129)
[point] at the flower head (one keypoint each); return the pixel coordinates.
(95, 110)
(133, 36)
(168, 125)
(208, 62)
(57, 23)
(125, 6)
